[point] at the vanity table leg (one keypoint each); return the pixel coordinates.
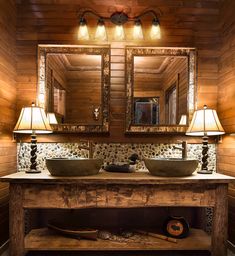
(16, 222)
(220, 221)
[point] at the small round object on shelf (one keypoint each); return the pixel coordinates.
(176, 226)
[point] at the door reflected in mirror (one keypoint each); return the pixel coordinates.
(146, 110)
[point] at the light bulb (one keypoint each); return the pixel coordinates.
(155, 30)
(119, 32)
(137, 31)
(82, 30)
(100, 33)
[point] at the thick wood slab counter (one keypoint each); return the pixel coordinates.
(115, 190)
(141, 177)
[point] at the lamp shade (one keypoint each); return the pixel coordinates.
(205, 122)
(183, 120)
(32, 120)
(51, 118)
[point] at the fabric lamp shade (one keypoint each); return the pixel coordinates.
(52, 118)
(183, 120)
(32, 120)
(205, 122)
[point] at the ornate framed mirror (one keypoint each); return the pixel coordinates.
(160, 89)
(74, 83)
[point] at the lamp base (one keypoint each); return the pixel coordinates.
(32, 171)
(205, 172)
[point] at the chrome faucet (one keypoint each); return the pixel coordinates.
(183, 148)
(88, 147)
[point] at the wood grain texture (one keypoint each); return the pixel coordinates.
(16, 224)
(184, 24)
(7, 105)
(220, 222)
(44, 239)
(140, 178)
(77, 194)
(115, 196)
(226, 104)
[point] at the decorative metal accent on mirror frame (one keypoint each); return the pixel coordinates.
(132, 51)
(104, 51)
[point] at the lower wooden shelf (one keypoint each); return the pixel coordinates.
(45, 239)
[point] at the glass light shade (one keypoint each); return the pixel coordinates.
(205, 122)
(52, 118)
(32, 120)
(100, 33)
(155, 32)
(119, 33)
(137, 31)
(183, 120)
(83, 30)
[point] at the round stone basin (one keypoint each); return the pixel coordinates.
(171, 167)
(73, 166)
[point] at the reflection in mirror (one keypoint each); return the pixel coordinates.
(164, 77)
(74, 84)
(146, 110)
(161, 88)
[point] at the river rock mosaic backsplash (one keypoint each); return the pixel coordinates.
(117, 153)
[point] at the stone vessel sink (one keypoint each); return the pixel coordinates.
(73, 166)
(171, 167)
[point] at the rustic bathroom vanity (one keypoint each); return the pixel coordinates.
(115, 190)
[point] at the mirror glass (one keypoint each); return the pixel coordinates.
(74, 84)
(161, 88)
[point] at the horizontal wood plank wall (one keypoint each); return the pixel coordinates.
(184, 23)
(226, 104)
(7, 105)
(177, 75)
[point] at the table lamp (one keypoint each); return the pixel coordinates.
(183, 120)
(205, 122)
(32, 120)
(51, 118)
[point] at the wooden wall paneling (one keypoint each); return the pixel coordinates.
(183, 23)
(7, 105)
(226, 103)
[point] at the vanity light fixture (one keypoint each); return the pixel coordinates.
(137, 30)
(205, 122)
(118, 19)
(83, 33)
(101, 33)
(32, 120)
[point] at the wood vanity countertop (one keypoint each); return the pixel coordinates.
(103, 177)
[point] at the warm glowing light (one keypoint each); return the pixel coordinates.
(51, 118)
(183, 120)
(205, 122)
(32, 119)
(83, 30)
(119, 33)
(137, 31)
(100, 33)
(155, 32)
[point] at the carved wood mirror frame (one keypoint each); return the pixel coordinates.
(130, 53)
(104, 51)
